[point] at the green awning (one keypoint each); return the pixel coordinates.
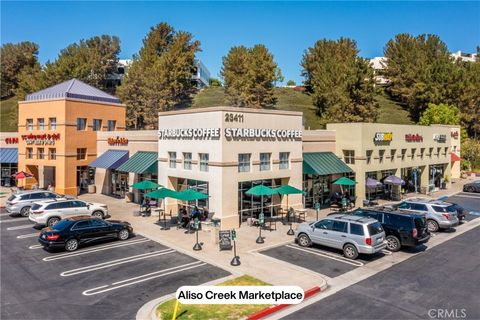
(141, 162)
(323, 163)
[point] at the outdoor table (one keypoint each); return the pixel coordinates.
(300, 213)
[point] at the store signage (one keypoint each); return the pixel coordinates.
(117, 141)
(454, 135)
(440, 137)
(41, 139)
(230, 134)
(224, 240)
(383, 137)
(413, 138)
(11, 140)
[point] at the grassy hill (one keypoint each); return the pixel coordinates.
(8, 110)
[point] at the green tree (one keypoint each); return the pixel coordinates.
(291, 83)
(213, 82)
(159, 77)
(249, 75)
(278, 76)
(419, 69)
(13, 59)
(471, 152)
(440, 114)
(342, 83)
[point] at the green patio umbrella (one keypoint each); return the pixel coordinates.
(162, 193)
(344, 181)
(145, 185)
(287, 189)
(191, 195)
(261, 190)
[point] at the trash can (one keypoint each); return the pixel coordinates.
(92, 188)
(129, 196)
(214, 234)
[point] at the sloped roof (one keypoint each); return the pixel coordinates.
(72, 89)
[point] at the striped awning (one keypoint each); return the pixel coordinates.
(111, 159)
(8, 155)
(141, 162)
(323, 163)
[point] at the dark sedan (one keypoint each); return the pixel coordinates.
(472, 186)
(71, 233)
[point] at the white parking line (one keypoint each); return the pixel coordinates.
(14, 220)
(116, 262)
(466, 196)
(35, 246)
(24, 226)
(327, 255)
(86, 251)
(4, 214)
(387, 252)
(29, 235)
(143, 278)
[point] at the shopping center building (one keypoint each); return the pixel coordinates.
(8, 158)
(425, 157)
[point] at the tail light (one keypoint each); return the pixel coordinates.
(368, 241)
(37, 211)
(414, 232)
(53, 237)
(13, 202)
(446, 215)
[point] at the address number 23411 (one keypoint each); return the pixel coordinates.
(233, 117)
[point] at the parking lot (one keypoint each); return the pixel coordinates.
(110, 280)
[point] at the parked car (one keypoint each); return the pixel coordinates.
(20, 202)
(461, 211)
(352, 234)
(50, 212)
(73, 232)
(472, 186)
(439, 214)
(401, 229)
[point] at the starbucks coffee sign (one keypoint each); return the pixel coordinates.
(229, 134)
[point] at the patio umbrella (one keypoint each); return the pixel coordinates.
(371, 184)
(261, 190)
(394, 180)
(145, 185)
(191, 195)
(344, 181)
(287, 189)
(163, 193)
(22, 175)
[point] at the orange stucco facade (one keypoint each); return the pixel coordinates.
(64, 162)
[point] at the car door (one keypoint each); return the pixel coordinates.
(338, 234)
(83, 231)
(321, 232)
(66, 209)
(101, 229)
(81, 208)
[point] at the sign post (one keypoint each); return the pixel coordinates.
(236, 259)
(317, 208)
(290, 215)
(261, 220)
(197, 246)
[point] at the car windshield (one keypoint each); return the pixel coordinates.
(375, 228)
(452, 208)
(62, 224)
(36, 206)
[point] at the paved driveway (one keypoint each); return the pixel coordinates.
(111, 280)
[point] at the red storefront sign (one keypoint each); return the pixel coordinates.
(413, 138)
(117, 141)
(12, 140)
(454, 135)
(41, 139)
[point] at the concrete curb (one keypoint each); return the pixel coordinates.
(275, 308)
(148, 310)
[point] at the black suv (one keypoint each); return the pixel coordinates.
(401, 229)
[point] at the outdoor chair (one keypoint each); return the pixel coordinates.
(282, 214)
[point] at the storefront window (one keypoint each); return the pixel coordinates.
(244, 162)
(41, 124)
(284, 160)
(187, 160)
(172, 159)
(52, 153)
(29, 153)
(97, 125)
(197, 185)
(265, 161)
(41, 153)
(317, 189)
(7, 170)
(52, 123)
(111, 125)
(204, 158)
(29, 124)
(81, 153)
(81, 123)
(252, 206)
(349, 156)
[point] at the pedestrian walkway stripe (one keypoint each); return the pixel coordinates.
(29, 235)
(25, 226)
(116, 262)
(143, 278)
(14, 220)
(327, 255)
(96, 249)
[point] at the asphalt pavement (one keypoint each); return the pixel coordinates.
(109, 280)
(443, 278)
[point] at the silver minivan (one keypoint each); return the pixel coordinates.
(352, 234)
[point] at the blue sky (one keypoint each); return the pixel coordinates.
(286, 28)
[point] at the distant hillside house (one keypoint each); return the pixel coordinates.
(467, 57)
(378, 64)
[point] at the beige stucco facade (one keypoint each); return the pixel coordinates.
(383, 149)
(216, 130)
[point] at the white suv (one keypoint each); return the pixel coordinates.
(50, 212)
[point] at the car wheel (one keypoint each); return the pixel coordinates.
(304, 240)
(432, 225)
(98, 214)
(350, 252)
(123, 234)
(470, 189)
(24, 211)
(71, 245)
(52, 221)
(393, 244)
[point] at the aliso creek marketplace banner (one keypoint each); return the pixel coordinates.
(41, 139)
